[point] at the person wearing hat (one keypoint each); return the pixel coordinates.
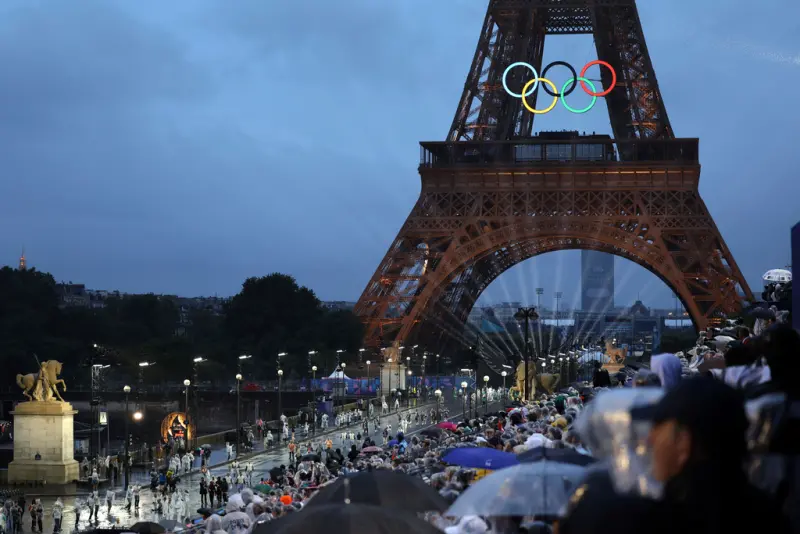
(698, 446)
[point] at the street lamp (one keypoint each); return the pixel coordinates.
(464, 398)
(280, 383)
(504, 375)
(186, 383)
(138, 415)
(238, 412)
(389, 361)
(526, 315)
(485, 394)
(127, 390)
(424, 385)
(344, 385)
(408, 397)
(368, 386)
(242, 358)
(195, 408)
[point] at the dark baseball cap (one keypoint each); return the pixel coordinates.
(711, 410)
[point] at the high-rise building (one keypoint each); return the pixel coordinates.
(597, 281)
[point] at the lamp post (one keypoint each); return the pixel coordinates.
(438, 395)
(504, 374)
(424, 385)
(242, 358)
(238, 413)
(408, 396)
(438, 375)
(389, 361)
(464, 398)
(526, 315)
(195, 408)
(343, 387)
(186, 419)
(280, 383)
(368, 386)
(127, 390)
(485, 394)
(186, 384)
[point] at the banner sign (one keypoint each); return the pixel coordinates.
(795, 262)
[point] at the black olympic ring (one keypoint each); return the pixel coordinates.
(574, 78)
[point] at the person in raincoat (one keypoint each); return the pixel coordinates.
(58, 512)
(235, 521)
(698, 449)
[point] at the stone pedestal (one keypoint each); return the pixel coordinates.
(43, 443)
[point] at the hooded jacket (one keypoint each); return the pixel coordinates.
(214, 525)
(668, 368)
(235, 521)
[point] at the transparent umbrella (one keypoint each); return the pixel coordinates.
(537, 489)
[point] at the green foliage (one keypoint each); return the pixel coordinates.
(272, 314)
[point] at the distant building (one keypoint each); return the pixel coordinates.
(597, 281)
(72, 295)
(23, 264)
(338, 305)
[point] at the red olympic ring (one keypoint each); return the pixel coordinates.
(602, 64)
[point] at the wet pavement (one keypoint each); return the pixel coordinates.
(262, 463)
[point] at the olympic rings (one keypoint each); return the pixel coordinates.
(550, 88)
(574, 78)
(613, 77)
(564, 100)
(525, 101)
(535, 78)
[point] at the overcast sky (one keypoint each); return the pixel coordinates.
(180, 147)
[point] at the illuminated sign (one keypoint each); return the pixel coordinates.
(177, 425)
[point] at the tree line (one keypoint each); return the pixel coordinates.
(271, 315)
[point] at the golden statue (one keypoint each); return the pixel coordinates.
(545, 381)
(616, 356)
(44, 384)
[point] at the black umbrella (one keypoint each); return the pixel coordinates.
(433, 432)
(564, 456)
(348, 519)
(147, 527)
(381, 488)
(310, 458)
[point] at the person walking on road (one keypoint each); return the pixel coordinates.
(203, 493)
(58, 510)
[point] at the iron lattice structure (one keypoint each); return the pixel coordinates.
(493, 195)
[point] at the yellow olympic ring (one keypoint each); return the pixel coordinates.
(528, 106)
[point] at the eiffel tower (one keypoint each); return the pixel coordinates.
(493, 195)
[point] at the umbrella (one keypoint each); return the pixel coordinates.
(432, 432)
(349, 519)
(392, 443)
(538, 489)
(168, 524)
(777, 275)
(383, 488)
(310, 458)
(263, 488)
(371, 450)
(447, 425)
(147, 527)
(564, 456)
(480, 458)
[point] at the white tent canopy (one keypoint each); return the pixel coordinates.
(339, 376)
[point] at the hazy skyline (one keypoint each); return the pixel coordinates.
(182, 147)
